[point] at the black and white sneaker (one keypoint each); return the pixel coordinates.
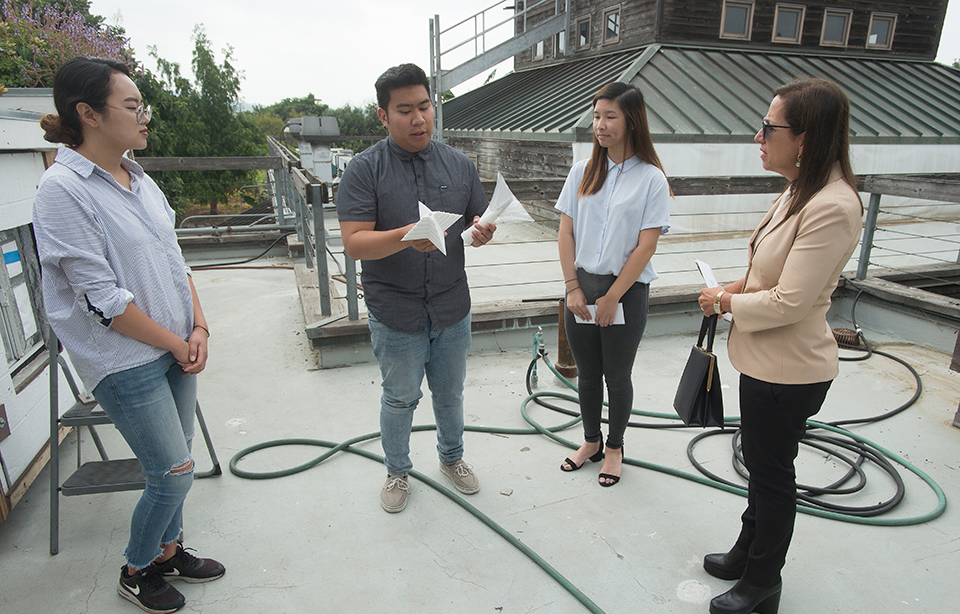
(149, 591)
(184, 566)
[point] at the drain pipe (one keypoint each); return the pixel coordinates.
(566, 365)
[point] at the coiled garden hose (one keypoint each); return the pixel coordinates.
(865, 449)
(854, 444)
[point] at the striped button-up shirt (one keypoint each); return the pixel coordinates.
(102, 246)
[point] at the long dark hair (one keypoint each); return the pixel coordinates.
(79, 80)
(630, 101)
(821, 111)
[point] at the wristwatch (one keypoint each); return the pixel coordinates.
(716, 303)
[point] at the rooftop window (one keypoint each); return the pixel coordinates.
(737, 20)
(611, 25)
(881, 30)
(583, 33)
(788, 23)
(836, 27)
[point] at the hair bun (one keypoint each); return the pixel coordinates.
(55, 131)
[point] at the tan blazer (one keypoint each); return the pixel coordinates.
(780, 332)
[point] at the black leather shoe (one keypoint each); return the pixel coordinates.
(746, 599)
(726, 565)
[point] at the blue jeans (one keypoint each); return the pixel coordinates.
(404, 359)
(153, 406)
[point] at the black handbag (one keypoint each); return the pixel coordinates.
(699, 401)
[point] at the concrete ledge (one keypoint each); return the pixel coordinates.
(228, 246)
(499, 315)
(496, 326)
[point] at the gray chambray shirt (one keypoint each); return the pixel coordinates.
(383, 184)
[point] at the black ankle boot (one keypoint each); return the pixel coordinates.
(746, 599)
(726, 565)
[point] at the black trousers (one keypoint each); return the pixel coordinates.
(607, 353)
(772, 422)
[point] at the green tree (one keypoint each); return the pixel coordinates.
(352, 121)
(356, 121)
(295, 107)
(268, 123)
(201, 119)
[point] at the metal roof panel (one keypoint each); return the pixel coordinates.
(719, 95)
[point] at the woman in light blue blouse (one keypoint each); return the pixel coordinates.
(614, 207)
(119, 296)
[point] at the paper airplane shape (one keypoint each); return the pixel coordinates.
(503, 205)
(431, 226)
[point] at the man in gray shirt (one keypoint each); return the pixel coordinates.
(417, 299)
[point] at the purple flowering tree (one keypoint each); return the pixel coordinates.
(36, 38)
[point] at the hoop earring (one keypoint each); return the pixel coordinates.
(798, 160)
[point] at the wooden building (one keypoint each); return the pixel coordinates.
(876, 29)
(707, 69)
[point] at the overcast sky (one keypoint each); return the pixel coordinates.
(334, 49)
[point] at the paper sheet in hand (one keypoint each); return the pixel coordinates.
(710, 279)
(617, 317)
(431, 226)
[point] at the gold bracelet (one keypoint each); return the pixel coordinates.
(716, 303)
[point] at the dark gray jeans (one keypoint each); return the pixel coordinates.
(607, 353)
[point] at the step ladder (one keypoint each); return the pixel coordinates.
(98, 476)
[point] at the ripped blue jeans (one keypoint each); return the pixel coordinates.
(153, 406)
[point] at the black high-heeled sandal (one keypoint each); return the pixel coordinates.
(595, 458)
(745, 598)
(609, 476)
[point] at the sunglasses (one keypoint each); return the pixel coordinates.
(143, 112)
(766, 128)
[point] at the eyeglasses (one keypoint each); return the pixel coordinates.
(766, 128)
(143, 112)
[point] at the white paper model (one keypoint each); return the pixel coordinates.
(502, 200)
(431, 226)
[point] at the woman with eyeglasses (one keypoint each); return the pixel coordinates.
(118, 295)
(780, 341)
(614, 207)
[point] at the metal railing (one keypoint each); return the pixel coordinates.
(943, 188)
(928, 248)
(510, 35)
(303, 194)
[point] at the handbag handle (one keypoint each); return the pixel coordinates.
(708, 328)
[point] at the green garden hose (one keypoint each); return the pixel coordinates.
(551, 432)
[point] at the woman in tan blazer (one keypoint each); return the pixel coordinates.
(780, 341)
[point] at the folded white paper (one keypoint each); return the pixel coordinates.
(431, 226)
(617, 317)
(503, 206)
(710, 279)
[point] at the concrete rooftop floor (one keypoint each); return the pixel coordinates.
(318, 541)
